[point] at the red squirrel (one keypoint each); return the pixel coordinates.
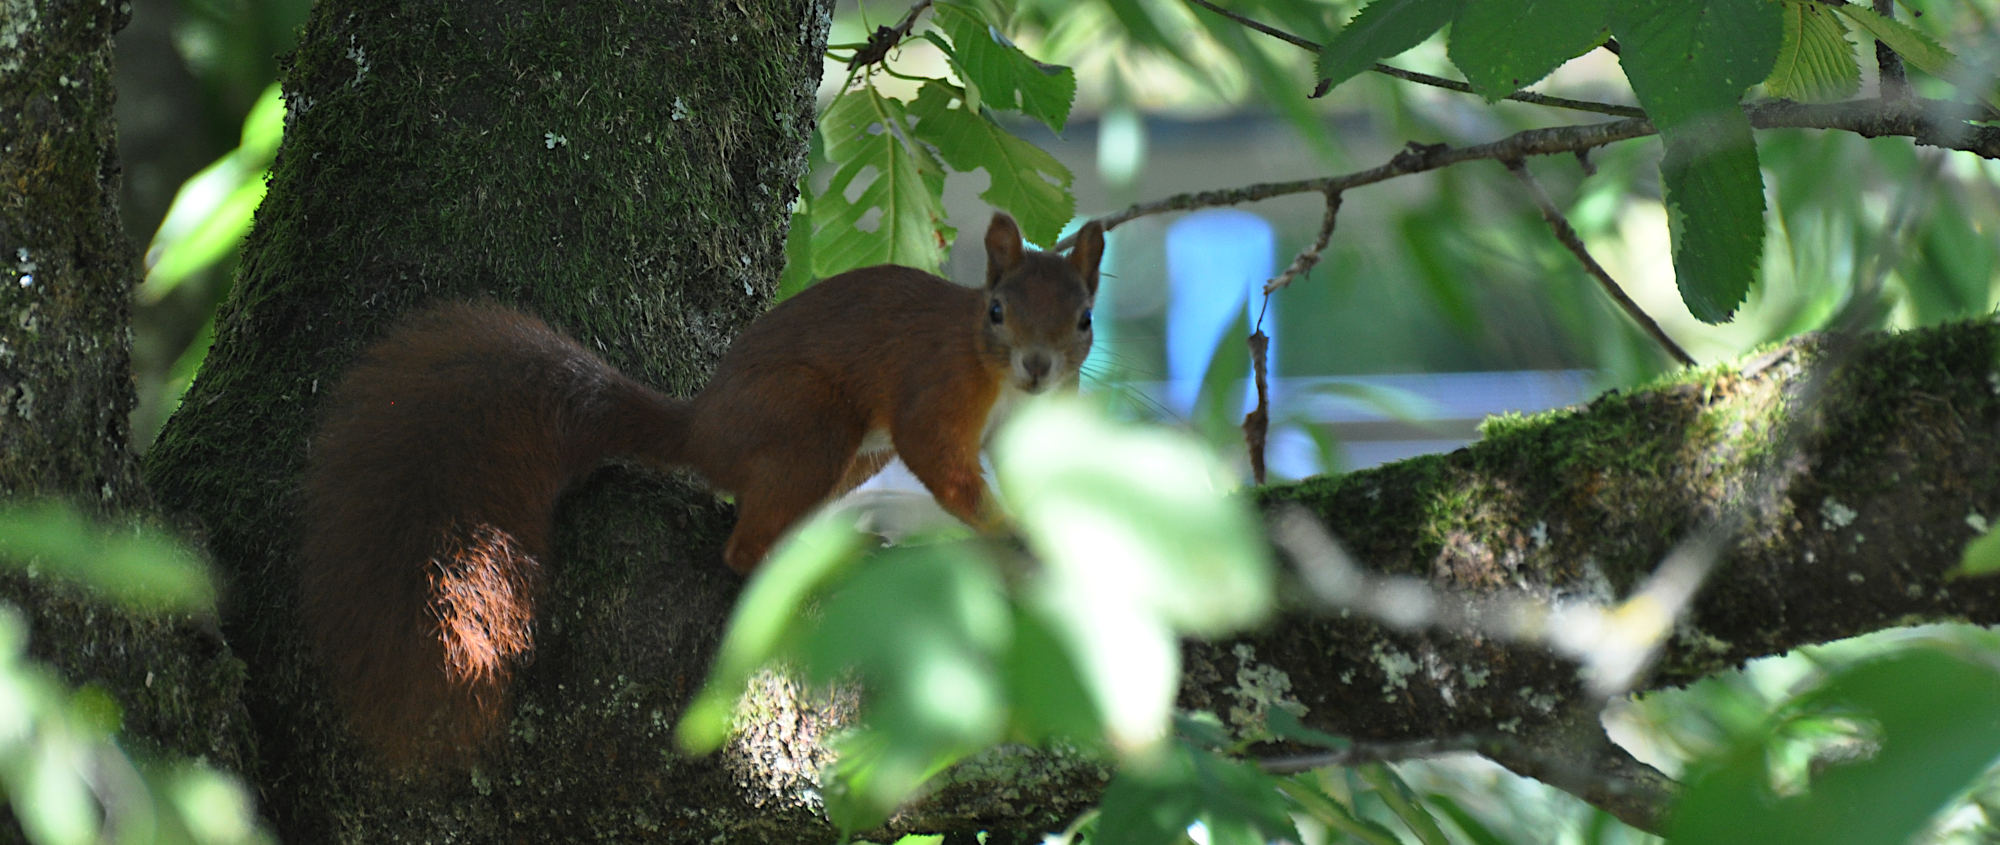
(431, 486)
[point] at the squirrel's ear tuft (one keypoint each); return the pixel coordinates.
(1003, 246)
(1089, 250)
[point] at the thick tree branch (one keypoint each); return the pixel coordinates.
(1895, 463)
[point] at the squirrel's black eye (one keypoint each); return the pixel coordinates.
(994, 313)
(1083, 323)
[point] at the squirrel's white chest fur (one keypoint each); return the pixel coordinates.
(877, 440)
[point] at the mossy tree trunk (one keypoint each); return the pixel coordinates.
(623, 170)
(65, 345)
(66, 275)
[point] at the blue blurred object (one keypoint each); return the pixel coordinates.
(1217, 263)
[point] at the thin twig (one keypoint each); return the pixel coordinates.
(1257, 423)
(1566, 234)
(1595, 769)
(1308, 258)
(1890, 79)
(1370, 751)
(1423, 78)
(885, 38)
(1936, 123)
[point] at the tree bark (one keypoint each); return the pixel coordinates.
(624, 171)
(66, 274)
(65, 345)
(1844, 475)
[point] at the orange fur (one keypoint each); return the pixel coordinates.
(431, 487)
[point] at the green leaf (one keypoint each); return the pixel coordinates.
(1006, 77)
(1402, 801)
(1476, 831)
(1284, 725)
(769, 615)
(1143, 30)
(1487, 44)
(1024, 180)
(1236, 801)
(1933, 716)
(1142, 545)
(1278, 81)
(1383, 29)
(1051, 699)
(798, 273)
(1335, 814)
(880, 178)
(1145, 512)
(921, 628)
(213, 209)
(1714, 195)
(1689, 62)
(1981, 557)
(211, 232)
(141, 568)
(1918, 49)
(1815, 61)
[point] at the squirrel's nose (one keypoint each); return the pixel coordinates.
(1037, 365)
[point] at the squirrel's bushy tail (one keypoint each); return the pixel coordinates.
(429, 500)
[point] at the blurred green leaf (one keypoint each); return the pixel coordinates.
(1284, 725)
(1954, 261)
(141, 568)
(1383, 29)
(1142, 544)
(921, 628)
(1278, 81)
(212, 236)
(1815, 61)
(1487, 44)
(1235, 801)
(1933, 711)
(770, 613)
(1101, 499)
(1204, 730)
(1050, 697)
(1144, 30)
(1024, 179)
(1333, 813)
(213, 209)
(1981, 556)
(213, 806)
(1475, 830)
(1402, 801)
(1689, 62)
(67, 781)
(1919, 49)
(1006, 77)
(896, 187)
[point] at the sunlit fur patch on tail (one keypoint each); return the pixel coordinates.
(482, 585)
(482, 596)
